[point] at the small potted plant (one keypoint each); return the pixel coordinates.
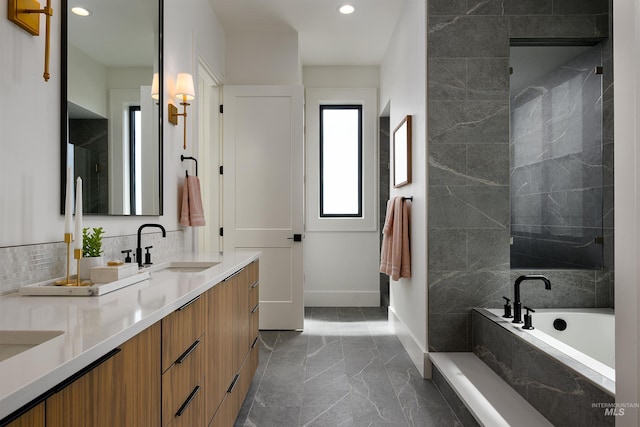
(91, 251)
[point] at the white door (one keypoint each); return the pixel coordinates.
(263, 140)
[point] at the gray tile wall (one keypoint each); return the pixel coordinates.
(468, 136)
(22, 265)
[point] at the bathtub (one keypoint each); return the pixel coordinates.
(574, 334)
(567, 375)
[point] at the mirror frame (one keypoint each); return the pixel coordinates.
(64, 116)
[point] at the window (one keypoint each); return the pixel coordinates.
(341, 161)
(135, 160)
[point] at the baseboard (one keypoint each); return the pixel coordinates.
(341, 299)
(417, 354)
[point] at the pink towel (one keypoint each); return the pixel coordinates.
(192, 213)
(395, 257)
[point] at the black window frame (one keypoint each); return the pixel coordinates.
(358, 108)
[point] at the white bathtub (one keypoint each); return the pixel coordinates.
(588, 337)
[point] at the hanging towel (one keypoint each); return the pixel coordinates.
(395, 257)
(192, 213)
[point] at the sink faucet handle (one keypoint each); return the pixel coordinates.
(527, 318)
(147, 256)
(507, 309)
(127, 259)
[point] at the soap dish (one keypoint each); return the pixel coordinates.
(49, 288)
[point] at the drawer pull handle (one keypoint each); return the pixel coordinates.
(255, 341)
(188, 352)
(189, 303)
(233, 383)
(255, 285)
(255, 308)
(187, 402)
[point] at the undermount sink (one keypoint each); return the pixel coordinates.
(185, 266)
(14, 342)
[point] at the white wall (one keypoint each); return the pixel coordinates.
(626, 37)
(87, 86)
(403, 85)
(341, 256)
(30, 124)
(263, 58)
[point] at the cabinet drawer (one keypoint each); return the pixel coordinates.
(253, 271)
(193, 414)
(182, 388)
(182, 328)
(254, 319)
(254, 295)
(254, 356)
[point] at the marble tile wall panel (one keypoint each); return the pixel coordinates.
(21, 265)
(558, 392)
(468, 137)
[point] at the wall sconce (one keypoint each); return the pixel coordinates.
(26, 15)
(184, 93)
(155, 87)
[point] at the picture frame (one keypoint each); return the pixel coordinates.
(402, 153)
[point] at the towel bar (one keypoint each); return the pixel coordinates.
(183, 158)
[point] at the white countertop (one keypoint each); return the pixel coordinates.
(94, 325)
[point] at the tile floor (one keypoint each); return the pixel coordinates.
(345, 369)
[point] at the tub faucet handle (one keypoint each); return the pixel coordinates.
(527, 318)
(507, 309)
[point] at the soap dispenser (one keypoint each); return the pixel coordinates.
(507, 309)
(527, 318)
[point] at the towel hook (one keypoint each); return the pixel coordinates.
(408, 198)
(183, 158)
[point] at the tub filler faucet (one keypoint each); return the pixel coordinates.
(517, 305)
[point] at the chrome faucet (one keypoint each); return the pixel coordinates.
(517, 305)
(139, 247)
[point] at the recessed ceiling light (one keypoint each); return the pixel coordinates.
(80, 11)
(346, 9)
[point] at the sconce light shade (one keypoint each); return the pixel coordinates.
(184, 92)
(155, 87)
(184, 87)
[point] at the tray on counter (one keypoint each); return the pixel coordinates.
(49, 288)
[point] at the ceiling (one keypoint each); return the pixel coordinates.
(325, 36)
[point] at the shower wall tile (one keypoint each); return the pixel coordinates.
(486, 78)
(468, 135)
(463, 36)
(528, 7)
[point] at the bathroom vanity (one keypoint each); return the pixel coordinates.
(178, 349)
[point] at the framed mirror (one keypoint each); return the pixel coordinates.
(402, 153)
(111, 112)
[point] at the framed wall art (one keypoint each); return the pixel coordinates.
(402, 153)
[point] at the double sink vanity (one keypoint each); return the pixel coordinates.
(177, 349)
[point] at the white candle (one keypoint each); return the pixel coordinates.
(78, 236)
(68, 203)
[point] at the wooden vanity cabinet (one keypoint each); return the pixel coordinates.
(232, 332)
(120, 389)
(34, 417)
(183, 359)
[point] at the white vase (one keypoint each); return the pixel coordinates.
(87, 263)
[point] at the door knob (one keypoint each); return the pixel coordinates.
(296, 238)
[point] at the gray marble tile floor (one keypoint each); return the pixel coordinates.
(345, 369)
